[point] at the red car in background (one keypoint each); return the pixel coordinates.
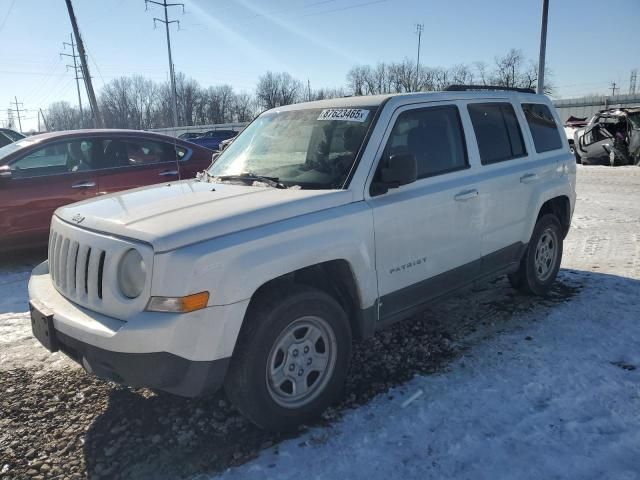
(41, 173)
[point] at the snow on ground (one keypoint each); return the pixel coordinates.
(18, 348)
(555, 395)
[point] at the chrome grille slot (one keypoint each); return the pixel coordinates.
(77, 270)
(62, 266)
(81, 270)
(100, 273)
(92, 274)
(72, 258)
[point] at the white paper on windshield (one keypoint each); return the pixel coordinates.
(344, 114)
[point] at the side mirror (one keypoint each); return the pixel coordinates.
(5, 173)
(400, 169)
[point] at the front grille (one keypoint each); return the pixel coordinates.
(77, 269)
(83, 266)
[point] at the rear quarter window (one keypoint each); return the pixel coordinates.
(542, 126)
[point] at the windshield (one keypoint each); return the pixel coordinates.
(14, 136)
(312, 148)
(12, 147)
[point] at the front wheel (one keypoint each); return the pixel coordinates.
(540, 264)
(291, 358)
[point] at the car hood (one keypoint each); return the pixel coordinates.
(169, 216)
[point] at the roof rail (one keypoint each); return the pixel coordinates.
(466, 88)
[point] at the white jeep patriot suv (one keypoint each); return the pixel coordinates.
(321, 223)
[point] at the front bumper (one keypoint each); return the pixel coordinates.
(160, 370)
(185, 354)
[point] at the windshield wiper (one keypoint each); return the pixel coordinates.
(271, 181)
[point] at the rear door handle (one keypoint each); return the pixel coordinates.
(84, 185)
(528, 178)
(167, 173)
(466, 195)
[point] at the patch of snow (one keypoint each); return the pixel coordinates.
(18, 348)
(554, 406)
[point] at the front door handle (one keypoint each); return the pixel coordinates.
(528, 178)
(167, 173)
(466, 195)
(89, 184)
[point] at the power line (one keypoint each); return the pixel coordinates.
(4, 20)
(172, 73)
(77, 74)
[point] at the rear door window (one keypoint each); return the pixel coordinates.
(543, 127)
(497, 132)
(124, 152)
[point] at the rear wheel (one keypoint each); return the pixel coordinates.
(540, 264)
(291, 358)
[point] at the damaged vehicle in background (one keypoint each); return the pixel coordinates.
(612, 137)
(571, 126)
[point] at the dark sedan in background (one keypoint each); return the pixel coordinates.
(212, 138)
(41, 173)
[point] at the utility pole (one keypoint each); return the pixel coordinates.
(46, 125)
(172, 73)
(419, 29)
(75, 71)
(632, 82)
(614, 87)
(308, 90)
(9, 118)
(18, 112)
(85, 68)
(543, 46)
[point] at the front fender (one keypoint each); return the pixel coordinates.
(233, 267)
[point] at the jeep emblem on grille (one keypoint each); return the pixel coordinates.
(77, 218)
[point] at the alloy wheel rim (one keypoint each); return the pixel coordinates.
(546, 254)
(301, 362)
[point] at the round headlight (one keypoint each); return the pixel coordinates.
(132, 273)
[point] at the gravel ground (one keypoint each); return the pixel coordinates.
(62, 423)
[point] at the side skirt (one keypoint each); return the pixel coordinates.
(408, 301)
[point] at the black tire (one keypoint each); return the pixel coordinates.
(270, 316)
(529, 278)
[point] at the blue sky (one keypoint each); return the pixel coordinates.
(235, 41)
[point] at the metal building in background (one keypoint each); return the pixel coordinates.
(590, 105)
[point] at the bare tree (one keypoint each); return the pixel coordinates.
(277, 89)
(62, 116)
(189, 94)
(356, 80)
(508, 69)
(481, 72)
(461, 75)
(244, 107)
